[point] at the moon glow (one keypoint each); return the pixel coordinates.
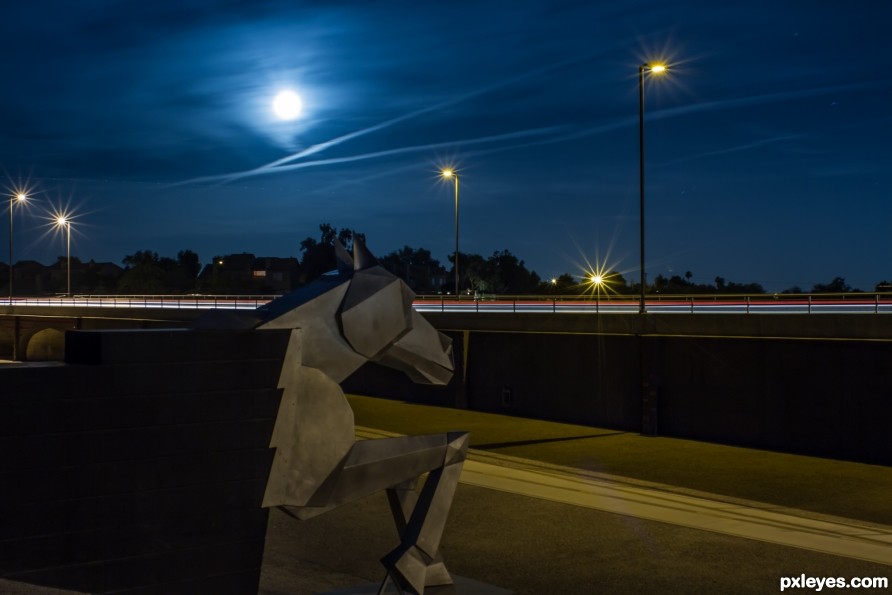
(287, 105)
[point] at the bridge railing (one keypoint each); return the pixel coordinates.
(878, 302)
(196, 302)
(875, 302)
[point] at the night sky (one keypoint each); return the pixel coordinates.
(767, 149)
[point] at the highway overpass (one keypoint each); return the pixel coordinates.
(819, 383)
(31, 328)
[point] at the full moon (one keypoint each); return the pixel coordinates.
(287, 105)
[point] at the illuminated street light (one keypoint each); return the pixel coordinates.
(63, 221)
(18, 197)
(654, 69)
(451, 174)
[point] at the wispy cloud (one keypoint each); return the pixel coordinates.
(768, 98)
(735, 149)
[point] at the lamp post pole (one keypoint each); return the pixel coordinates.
(447, 174)
(68, 256)
(456, 234)
(597, 280)
(656, 69)
(641, 68)
(64, 221)
(18, 197)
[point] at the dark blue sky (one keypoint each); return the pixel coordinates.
(768, 143)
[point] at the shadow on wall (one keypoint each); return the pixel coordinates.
(5, 344)
(47, 345)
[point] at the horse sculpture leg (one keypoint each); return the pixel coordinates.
(402, 499)
(395, 465)
(416, 563)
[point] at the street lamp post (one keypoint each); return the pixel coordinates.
(18, 197)
(450, 173)
(63, 221)
(655, 69)
(597, 280)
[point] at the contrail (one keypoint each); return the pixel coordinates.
(377, 154)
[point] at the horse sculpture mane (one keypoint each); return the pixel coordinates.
(359, 313)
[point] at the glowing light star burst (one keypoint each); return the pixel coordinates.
(598, 280)
(61, 220)
(288, 105)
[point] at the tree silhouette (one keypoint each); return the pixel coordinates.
(837, 285)
(142, 275)
(147, 273)
(563, 284)
(422, 272)
(319, 256)
(502, 272)
(189, 262)
(505, 273)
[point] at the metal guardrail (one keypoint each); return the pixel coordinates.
(880, 302)
(192, 302)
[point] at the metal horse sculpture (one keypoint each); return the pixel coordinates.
(361, 313)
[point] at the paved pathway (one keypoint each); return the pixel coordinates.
(870, 542)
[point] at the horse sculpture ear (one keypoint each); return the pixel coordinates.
(343, 258)
(362, 258)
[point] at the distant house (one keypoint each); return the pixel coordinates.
(273, 274)
(246, 273)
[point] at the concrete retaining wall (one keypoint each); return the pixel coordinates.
(139, 466)
(825, 397)
(819, 397)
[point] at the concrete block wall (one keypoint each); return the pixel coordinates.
(139, 465)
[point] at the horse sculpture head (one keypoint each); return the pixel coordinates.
(359, 312)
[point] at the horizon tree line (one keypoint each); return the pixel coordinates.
(145, 272)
